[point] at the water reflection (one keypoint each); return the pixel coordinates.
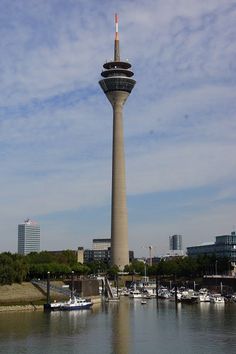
(70, 322)
(126, 327)
(120, 327)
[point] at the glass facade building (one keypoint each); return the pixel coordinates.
(224, 246)
(101, 256)
(28, 237)
(97, 256)
(175, 242)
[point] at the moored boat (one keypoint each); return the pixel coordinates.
(189, 297)
(76, 303)
(135, 294)
(164, 293)
(54, 306)
(204, 298)
(203, 295)
(217, 299)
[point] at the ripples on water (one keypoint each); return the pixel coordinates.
(123, 328)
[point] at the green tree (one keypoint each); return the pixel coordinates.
(113, 271)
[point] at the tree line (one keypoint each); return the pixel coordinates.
(188, 267)
(15, 268)
(18, 268)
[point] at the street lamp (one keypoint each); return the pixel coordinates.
(216, 267)
(229, 267)
(72, 283)
(48, 287)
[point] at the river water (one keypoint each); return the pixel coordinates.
(123, 328)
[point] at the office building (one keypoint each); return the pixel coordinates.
(224, 246)
(28, 237)
(175, 244)
(100, 252)
(117, 85)
(101, 243)
(97, 256)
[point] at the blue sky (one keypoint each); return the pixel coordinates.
(56, 124)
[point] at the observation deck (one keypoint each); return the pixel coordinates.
(117, 74)
(117, 77)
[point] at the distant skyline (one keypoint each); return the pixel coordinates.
(56, 126)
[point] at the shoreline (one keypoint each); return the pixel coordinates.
(20, 308)
(31, 307)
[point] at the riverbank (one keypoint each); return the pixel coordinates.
(34, 307)
(21, 308)
(20, 293)
(27, 297)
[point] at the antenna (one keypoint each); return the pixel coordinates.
(116, 28)
(117, 44)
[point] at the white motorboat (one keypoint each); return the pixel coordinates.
(217, 299)
(164, 293)
(204, 298)
(233, 298)
(135, 294)
(204, 295)
(189, 297)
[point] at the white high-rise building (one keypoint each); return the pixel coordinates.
(28, 237)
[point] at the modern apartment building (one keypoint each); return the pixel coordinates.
(28, 237)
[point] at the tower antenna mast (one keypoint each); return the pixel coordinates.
(117, 42)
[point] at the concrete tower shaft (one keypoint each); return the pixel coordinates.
(117, 85)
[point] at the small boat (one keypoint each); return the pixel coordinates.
(135, 294)
(203, 295)
(124, 292)
(76, 303)
(143, 302)
(217, 299)
(204, 298)
(189, 297)
(233, 297)
(164, 293)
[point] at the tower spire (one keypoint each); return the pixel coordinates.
(117, 43)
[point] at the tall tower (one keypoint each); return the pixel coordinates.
(117, 85)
